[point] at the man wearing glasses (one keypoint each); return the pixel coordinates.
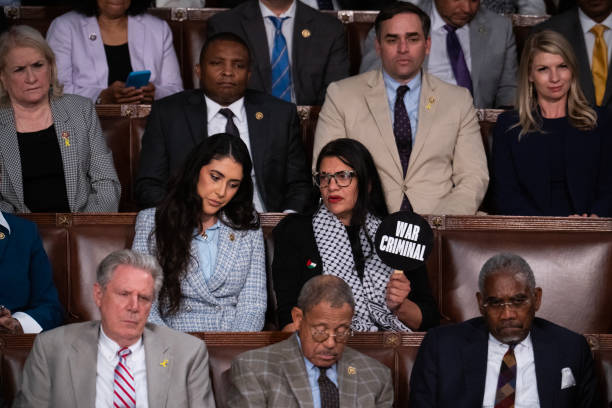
(507, 357)
(313, 368)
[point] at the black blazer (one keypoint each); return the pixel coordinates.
(568, 24)
(295, 245)
(521, 173)
(178, 123)
(319, 54)
(451, 366)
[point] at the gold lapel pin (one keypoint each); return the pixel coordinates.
(164, 363)
(259, 116)
(66, 138)
(430, 102)
(351, 370)
(306, 33)
(232, 237)
(2, 235)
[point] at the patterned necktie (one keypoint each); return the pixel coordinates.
(325, 4)
(328, 391)
(281, 73)
(124, 395)
(506, 382)
(457, 59)
(403, 135)
(600, 62)
(230, 127)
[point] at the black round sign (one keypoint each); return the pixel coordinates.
(404, 240)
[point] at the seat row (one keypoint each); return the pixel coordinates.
(571, 259)
(189, 31)
(396, 351)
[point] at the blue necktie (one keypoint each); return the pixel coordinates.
(281, 72)
(457, 59)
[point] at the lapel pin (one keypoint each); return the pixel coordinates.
(351, 370)
(310, 264)
(232, 237)
(2, 235)
(259, 116)
(93, 36)
(305, 33)
(430, 102)
(481, 29)
(164, 363)
(66, 138)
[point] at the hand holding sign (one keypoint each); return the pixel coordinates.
(398, 289)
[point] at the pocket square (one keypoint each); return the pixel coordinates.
(567, 378)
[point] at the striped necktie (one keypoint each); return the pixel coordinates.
(281, 72)
(124, 389)
(506, 382)
(600, 62)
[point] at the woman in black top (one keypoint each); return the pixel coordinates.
(338, 240)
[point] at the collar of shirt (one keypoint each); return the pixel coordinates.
(587, 23)
(265, 12)
(313, 375)
(211, 232)
(109, 348)
(524, 345)
(237, 108)
(411, 99)
(4, 223)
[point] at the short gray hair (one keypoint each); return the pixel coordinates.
(130, 258)
(506, 262)
(26, 36)
(325, 288)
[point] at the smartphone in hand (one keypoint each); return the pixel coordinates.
(138, 79)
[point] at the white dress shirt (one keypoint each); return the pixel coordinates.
(589, 38)
(216, 124)
(105, 371)
(287, 30)
(438, 63)
(526, 393)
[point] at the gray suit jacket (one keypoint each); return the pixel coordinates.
(92, 184)
(568, 24)
(275, 376)
(494, 59)
(61, 369)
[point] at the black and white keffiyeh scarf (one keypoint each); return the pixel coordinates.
(371, 311)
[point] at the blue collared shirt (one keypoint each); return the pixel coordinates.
(207, 251)
(313, 377)
(411, 99)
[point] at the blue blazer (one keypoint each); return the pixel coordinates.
(451, 366)
(521, 171)
(234, 299)
(26, 280)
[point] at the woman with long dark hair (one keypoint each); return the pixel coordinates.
(338, 240)
(206, 236)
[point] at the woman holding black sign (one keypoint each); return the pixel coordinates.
(338, 239)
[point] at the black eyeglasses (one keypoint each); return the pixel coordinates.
(343, 178)
(341, 336)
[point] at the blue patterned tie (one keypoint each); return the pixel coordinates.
(403, 136)
(281, 72)
(457, 59)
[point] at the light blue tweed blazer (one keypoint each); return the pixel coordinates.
(234, 299)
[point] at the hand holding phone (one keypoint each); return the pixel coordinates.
(138, 79)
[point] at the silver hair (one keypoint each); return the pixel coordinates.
(128, 257)
(506, 262)
(26, 36)
(325, 288)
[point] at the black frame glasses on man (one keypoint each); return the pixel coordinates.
(343, 178)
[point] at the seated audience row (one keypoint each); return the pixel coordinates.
(510, 356)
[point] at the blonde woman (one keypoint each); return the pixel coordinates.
(553, 156)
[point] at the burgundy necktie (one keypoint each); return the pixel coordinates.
(403, 136)
(457, 59)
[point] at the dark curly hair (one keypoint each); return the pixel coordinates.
(180, 213)
(90, 7)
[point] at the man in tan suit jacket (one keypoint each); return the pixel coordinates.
(313, 365)
(75, 365)
(447, 168)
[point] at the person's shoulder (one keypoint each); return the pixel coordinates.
(74, 101)
(18, 223)
(492, 19)
(150, 21)
(363, 361)
(273, 355)
(146, 216)
(63, 335)
(560, 334)
(356, 83)
(457, 332)
(453, 93)
(183, 340)
(252, 96)
(71, 17)
(327, 21)
(234, 12)
(559, 21)
(189, 96)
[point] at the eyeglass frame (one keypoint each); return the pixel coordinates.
(339, 337)
(352, 174)
(513, 304)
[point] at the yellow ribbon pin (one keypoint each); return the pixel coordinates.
(431, 100)
(351, 370)
(65, 136)
(164, 363)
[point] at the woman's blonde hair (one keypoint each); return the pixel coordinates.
(26, 36)
(580, 114)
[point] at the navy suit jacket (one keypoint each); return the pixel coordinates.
(26, 283)
(178, 123)
(451, 366)
(521, 171)
(319, 54)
